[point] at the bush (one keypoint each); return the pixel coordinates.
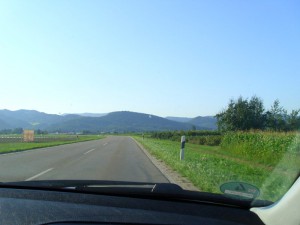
(213, 140)
(203, 137)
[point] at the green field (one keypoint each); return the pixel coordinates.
(12, 147)
(207, 167)
(268, 148)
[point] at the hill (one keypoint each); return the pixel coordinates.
(205, 122)
(179, 119)
(91, 114)
(121, 122)
(30, 119)
(86, 114)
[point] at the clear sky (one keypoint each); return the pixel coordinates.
(164, 57)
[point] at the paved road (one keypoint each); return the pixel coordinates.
(112, 158)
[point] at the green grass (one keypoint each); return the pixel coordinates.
(207, 167)
(12, 147)
(265, 147)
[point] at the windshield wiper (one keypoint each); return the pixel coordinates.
(102, 186)
(166, 191)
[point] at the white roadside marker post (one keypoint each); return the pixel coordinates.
(182, 148)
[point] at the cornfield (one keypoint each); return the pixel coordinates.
(264, 147)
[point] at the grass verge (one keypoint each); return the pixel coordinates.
(14, 147)
(208, 167)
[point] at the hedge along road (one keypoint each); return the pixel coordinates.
(111, 158)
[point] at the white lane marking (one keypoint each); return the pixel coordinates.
(89, 151)
(40, 174)
(105, 144)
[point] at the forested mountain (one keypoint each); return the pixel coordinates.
(123, 121)
(205, 122)
(30, 119)
(179, 119)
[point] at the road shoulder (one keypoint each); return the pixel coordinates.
(170, 174)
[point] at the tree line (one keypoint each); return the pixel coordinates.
(243, 114)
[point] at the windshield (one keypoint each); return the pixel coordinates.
(202, 94)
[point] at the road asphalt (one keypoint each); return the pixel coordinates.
(112, 158)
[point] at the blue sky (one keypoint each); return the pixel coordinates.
(168, 58)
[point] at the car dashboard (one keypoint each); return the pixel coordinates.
(34, 206)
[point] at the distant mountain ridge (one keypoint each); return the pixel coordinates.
(87, 114)
(122, 121)
(205, 121)
(210, 122)
(30, 119)
(179, 119)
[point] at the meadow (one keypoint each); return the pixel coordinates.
(45, 141)
(268, 160)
